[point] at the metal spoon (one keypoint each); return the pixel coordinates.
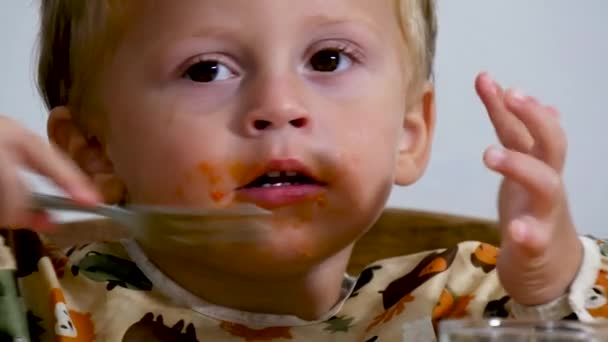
(183, 224)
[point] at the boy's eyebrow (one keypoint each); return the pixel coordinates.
(214, 31)
(326, 20)
(310, 21)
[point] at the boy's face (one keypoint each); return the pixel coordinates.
(203, 98)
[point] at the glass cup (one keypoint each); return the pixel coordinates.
(509, 330)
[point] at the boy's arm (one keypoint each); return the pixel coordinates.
(587, 297)
(541, 253)
(471, 288)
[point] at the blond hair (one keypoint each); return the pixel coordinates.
(75, 39)
(418, 20)
(77, 35)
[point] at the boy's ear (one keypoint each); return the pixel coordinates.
(416, 139)
(85, 148)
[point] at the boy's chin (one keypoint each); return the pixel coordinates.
(288, 250)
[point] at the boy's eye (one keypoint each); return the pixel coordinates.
(208, 71)
(330, 60)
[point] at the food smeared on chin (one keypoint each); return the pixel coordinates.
(217, 196)
(214, 178)
(211, 173)
(321, 200)
(240, 171)
(217, 178)
(271, 185)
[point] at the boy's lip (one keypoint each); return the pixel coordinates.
(272, 197)
(281, 165)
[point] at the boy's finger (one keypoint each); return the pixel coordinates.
(530, 236)
(13, 195)
(46, 160)
(40, 221)
(549, 138)
(511, 132)
(541, 181)
(553, 111)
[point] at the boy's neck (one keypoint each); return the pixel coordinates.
(308, 295)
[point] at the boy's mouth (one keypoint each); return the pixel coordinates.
(281, 183)
(278, 178)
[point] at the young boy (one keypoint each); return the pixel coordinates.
(312, 109)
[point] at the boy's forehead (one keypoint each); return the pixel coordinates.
(186, 14)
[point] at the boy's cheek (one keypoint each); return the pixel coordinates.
(210, 182)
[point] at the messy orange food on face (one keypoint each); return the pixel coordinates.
(214, 178)
(208, 171)
(241, 172)
(321, 200)
(217, 196)
(237, 170)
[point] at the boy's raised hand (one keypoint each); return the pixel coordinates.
(21, 149)
(540, 250)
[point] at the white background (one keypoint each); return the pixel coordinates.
(554, 49)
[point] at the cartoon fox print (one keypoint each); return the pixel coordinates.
(399, 291)
(485, 257)
(69, 325)
(450, 306)
(597, 301)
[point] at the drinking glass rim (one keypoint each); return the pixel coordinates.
(571, 327)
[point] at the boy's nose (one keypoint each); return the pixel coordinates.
(276, 106)
(269, 120)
